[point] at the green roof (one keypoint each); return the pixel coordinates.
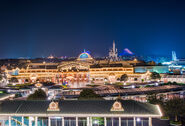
(78, 107)
(2, 95)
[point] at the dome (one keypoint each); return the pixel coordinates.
(84, 56)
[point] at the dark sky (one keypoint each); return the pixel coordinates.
(36, 28)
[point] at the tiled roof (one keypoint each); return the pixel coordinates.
(130, 91)
(106, 65)
(77, 107)
(173, 76)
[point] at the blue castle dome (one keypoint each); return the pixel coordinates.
(84, 56)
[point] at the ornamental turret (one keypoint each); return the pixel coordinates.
(113, 53)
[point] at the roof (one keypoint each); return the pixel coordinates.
(173, 76)
(4, 96)
(106, 65)
(84, 56)
(130, 91)
(56, 87)
(73, 107)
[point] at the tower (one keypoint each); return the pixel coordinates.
(174, 57)
(113, 54)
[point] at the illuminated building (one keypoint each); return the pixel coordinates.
(176, 66)
(173, 78)
(50, 57)
(77, 73)
(158, 69)
(78, 113)
(113, 53)
(110, 72)
(81, 71)
(101, 73)
(84, 56)
(174, 57)
(74, 73)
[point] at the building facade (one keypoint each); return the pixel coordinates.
(79, 72)
(78, 113)
(173, 78)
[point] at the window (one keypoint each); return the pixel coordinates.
(127, 122)
(142, 122)
(82, 121)
(112, 121)
(56, 121)
(69, 121)
(42, 121)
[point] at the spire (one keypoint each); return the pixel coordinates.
(113, 47)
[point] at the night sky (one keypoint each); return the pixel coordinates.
(33, 28)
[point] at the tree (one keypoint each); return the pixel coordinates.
(92, 80)
(38, 95)
(118, 79)
(154, 99)
(26, 80)
(124, 77)
(172, 108)
(98, 120)
(89, 94)
(14, 80)
(151, 63)
(175, 108)
(155, 75)
(1, 77)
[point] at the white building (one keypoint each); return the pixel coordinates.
(78, 113)
(113, 53)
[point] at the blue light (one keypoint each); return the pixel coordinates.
(83, 56)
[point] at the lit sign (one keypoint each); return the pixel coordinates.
(53, 106)
(117, 106)
(38, 85)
